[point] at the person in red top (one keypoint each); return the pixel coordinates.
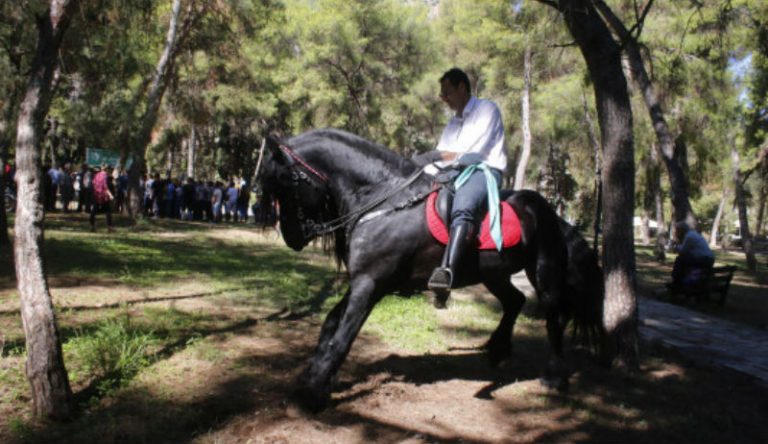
(103, 195)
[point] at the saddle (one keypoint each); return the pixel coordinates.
(438, 210)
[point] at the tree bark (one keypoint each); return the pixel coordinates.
(678, 181)
(759, 230)
(603, 57)
(741, 204)
(192, 147)
(658, 200)
(645, 227)
(526, 99)
(648, 192)
(51, 393)
(154, 99)
(718, 217)
(598, 168)
(5, 239)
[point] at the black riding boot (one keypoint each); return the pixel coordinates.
(461, 238)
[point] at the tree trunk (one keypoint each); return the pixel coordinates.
(648, 195)
(598, 213)
(603, 58)
(148, 120)
(598, 168)
(526, 154)
(718, 217)
(192, 147)
(51, 393)
(678, 182)
(169, 162)
(645, 227)
(759, 231)
(658, 200)
(741, 204)
(5, 240)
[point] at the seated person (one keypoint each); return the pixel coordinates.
(694, 261)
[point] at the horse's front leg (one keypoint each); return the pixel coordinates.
(314, 383)
(331, 323)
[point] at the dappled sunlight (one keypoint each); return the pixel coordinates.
(234, 316)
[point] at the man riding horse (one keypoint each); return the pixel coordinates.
(474, 139)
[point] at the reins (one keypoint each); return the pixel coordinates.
(342, 221)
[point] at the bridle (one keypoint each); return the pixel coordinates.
(311, 228)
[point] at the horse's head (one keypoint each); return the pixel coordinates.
(300, 191)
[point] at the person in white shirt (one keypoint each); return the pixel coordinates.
(474, 135)
(694, 260)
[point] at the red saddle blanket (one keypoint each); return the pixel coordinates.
(510, 226)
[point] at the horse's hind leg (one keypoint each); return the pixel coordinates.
(499, 346)
(548, 281)
(556, 374)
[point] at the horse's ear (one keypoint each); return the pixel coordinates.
(278, 155)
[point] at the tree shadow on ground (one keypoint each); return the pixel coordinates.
(650, 405)
(127, 258)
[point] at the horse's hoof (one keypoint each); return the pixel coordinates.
(310, 400)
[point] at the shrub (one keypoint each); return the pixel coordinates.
(113, 351)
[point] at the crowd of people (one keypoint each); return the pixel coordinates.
(196, 200)
(102, 189)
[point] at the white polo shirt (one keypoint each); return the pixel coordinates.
(478, 130)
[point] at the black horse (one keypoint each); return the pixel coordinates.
(324, 180)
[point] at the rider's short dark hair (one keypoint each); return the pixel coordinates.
(456, 76)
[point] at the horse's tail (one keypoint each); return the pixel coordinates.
(585, 291)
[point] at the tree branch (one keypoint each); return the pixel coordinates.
(638, 26)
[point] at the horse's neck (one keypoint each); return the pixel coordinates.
(358, 180)
(359, 188)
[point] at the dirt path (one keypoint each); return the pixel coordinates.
(232, 386)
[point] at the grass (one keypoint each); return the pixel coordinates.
(103, 286)
(171, 330)
(113, 353)
(410, 324)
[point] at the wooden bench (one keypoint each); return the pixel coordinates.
(718, 281)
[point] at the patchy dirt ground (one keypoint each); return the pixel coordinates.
(232, 384)
(229, 381)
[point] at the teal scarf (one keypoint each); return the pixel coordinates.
(493, 199)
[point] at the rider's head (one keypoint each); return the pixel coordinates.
(455, 89)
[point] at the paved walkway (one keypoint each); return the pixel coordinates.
(702, 338)
(706, 339)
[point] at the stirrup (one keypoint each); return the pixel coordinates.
(440, 283)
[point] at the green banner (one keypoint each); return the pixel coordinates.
(97, 157)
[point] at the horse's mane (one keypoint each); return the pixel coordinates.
(329, 145)
(332, 140)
